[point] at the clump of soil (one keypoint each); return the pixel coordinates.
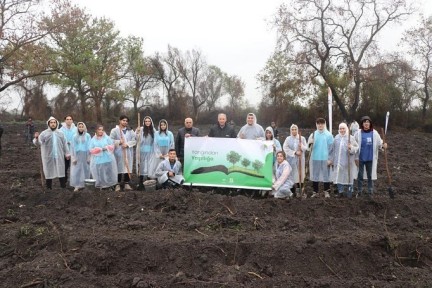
(209, 238)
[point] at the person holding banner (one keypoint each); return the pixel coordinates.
(251, 130)
(319, 165)
(222, 129)
(369, 142)
(185, 132)
(343, 161)
(124, 139)
(169, 171)
(147, 161)
(295, 147)
(283, 183)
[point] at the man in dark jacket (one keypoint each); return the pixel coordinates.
(184, 132)
(222, 129)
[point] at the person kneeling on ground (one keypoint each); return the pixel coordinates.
(169, 171)
(283, 183)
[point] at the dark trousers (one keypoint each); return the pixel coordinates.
(315, 186)
(362, 166)
(67, 165)
(124, 176)
(62, 180)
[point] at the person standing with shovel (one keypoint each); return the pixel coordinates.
(124, 140)
(369, 142)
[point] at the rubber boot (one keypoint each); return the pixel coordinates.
(141, 183)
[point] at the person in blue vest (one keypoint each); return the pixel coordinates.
(370, 143)
(69, 129)
(103, 164)
(80, 157)
(321, 143)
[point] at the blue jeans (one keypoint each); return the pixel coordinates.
(341, 189)
(368, 165)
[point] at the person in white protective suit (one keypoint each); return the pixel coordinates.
(124, 140)
(145, 151)
(294, 149)
(283, 183)
(80, 157)
(103, 166)
(169, 171)
(251, 130)
(342, 160)
(54, 151)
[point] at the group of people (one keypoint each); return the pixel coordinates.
(339, 160)
(109, 159)
(157, 154)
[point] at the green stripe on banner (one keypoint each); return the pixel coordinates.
(228, 162)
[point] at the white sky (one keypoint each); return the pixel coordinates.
(231, 34)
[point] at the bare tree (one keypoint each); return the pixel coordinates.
(193, 71)
(212, 86)
(234, 88)
(419, 41)
(168, 74)
(140, 73)
(321, 34)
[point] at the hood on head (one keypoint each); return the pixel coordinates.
(293, 126)
(52, 118)
(254, 116)
(150, 120)
(269, 128)
(343, 124)
(166, 122)
(85, 127)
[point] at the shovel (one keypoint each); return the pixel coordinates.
(389, 188)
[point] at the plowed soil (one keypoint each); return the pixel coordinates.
(208, 238)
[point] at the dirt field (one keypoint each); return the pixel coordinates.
(198, 238)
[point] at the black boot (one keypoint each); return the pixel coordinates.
(48, 183)
(141, 184)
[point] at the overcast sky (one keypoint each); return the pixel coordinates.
(232, 34)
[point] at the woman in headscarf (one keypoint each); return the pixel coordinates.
(80, 157)
(276, 144)
(282, 184)
(163, 142)
(342, 159)
(145, 150)
(103, 164)
(295, 147)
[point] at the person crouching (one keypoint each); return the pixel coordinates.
(283, 181)
(169, 171)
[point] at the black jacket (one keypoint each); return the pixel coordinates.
(222, 132)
